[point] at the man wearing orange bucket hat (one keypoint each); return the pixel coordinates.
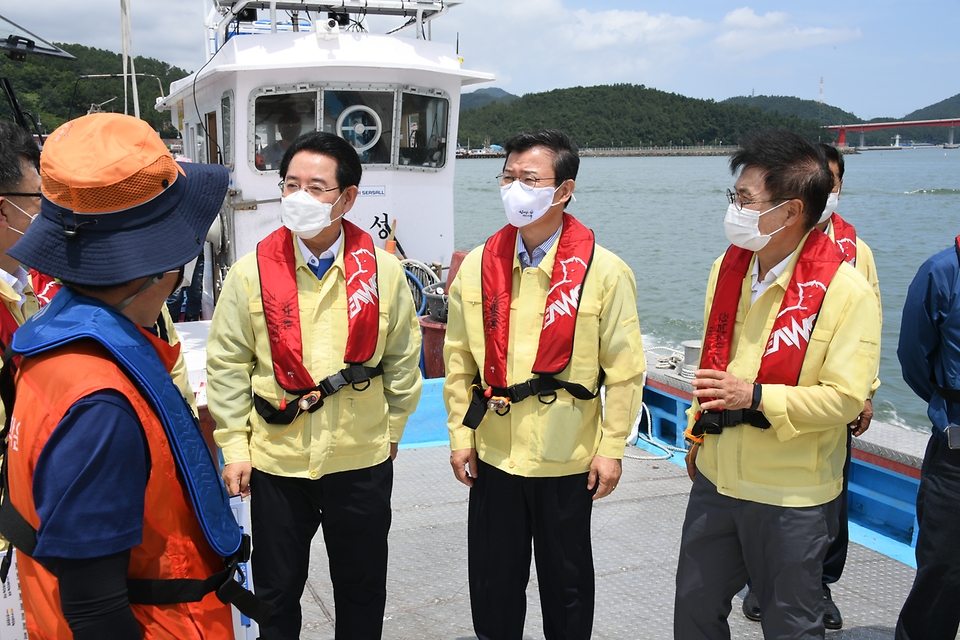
(113, 501)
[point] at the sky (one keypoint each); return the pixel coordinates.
(876, 58)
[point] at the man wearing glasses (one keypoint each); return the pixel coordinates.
(539, 318)
(19, 205)
(790, 351)
(313, 369)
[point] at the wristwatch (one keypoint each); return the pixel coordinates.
(757, 396)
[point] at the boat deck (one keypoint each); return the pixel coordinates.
(636, 541)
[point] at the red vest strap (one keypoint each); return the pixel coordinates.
(574, 255)
(846, 238)
(818, 263)
(276, 261)
(8, 324)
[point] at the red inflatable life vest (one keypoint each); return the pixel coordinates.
(574, 255)
(790, 335)
(277, 263)
(846, 238)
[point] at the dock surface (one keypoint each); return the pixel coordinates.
(635, 544)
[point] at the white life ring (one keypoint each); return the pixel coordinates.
(358, 128)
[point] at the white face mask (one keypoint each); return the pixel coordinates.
(304, 215)
(743, 227)
(523, 205)
(32, 218)
(832, 201)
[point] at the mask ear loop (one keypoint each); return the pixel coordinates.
(572, 197)
(120, 306)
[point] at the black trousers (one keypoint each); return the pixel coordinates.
(932, 610)
(354, 509)
(506, 513)
(837, 553)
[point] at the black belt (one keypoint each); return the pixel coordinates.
(950, 395)
(499, 399)
(309, 400)
(714, 422)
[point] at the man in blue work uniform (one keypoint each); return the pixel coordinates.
(929, 353)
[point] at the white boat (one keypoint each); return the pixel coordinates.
(394, 96)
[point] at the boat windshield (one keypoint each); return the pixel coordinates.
(367, 118)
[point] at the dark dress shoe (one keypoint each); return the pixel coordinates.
(831, 615)
(751, 606)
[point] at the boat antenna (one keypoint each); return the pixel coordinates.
(126, 36)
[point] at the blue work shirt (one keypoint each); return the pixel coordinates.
(929, 348)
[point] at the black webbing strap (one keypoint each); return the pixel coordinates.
(224, 583)
(355, 374)
(714, 422)
(545, 387)
(950, 395)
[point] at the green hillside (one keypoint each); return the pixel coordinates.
(624, 115)
(48, 87)
(790, 106)
(810, 109)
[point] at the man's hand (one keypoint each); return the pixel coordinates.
(394, 448)
(862, 423)
(607, 472)
(726, 390)
(464, 463)
(236, 476)
(691, 460)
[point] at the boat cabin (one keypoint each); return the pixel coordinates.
(278, 69)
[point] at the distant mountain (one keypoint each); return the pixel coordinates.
(625, 115)
(949, 108)
(790, 106)
(482, 97)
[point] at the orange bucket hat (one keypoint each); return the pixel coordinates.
(116, 206)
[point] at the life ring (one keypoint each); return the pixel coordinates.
(358, 128)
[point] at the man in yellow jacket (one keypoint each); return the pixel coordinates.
(19, 205)
(857, 253)
(312, 371)
(539, 318)
(790, 351)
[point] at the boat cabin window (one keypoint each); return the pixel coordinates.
(279, 120)
(362, 118)
(226, 129)
(423, 130)
(389, 126)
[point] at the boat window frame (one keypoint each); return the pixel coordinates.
(319, 88)
(431, 93)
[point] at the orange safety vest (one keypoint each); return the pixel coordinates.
(173, 545)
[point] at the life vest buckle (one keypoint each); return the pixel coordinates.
(309, 400)
(499, 404)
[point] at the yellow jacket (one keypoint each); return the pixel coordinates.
(798, 462)
(561, 438)
(867, 267)
(353, 429)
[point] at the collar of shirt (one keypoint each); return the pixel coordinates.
(17, 281)
(534, 260)
(330, 253)
(757, 287)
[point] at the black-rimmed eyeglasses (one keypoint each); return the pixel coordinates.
(734, 198)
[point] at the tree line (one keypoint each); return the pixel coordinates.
(51, 89)
(625, 115)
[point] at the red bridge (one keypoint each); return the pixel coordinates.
(863, 128)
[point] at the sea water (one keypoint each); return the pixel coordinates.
(664, 217)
